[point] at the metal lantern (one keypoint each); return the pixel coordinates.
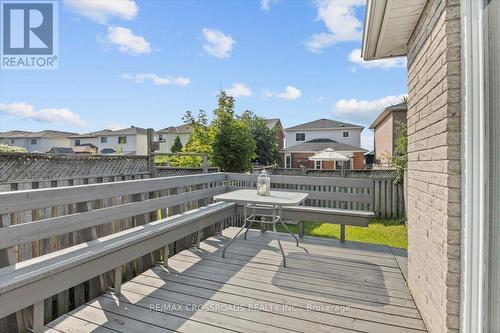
(263, 183)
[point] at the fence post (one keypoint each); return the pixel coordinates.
(151, 155)
(205, 163)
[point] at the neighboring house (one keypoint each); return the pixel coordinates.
(37, 142)
(385, 131)
(166, 136)
(275, 123)
(303, 141)
(298, 155)
(453, 173)
(324, 129)
(128, 141)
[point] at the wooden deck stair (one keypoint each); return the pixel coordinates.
(329, 286)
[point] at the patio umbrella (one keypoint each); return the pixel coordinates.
(330, 155)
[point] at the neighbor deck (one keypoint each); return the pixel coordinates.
(329, 286)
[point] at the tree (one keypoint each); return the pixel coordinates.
(177, 146)
(227, 139)
(200, 141)
(266, 139)
(233, 145)
(399, 160)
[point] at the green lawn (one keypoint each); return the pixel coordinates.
(388, 232)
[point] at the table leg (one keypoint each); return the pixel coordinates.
(276, 236)
(286, 227)
(239, 231)
(249, 223)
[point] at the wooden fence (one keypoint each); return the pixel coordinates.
(37, 222)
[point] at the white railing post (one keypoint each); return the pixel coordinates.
(38, 316)
(166, 251)
(118, 279)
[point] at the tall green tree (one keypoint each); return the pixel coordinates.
(233, 145)
(177, 146)
(227, 139)
(266, 139)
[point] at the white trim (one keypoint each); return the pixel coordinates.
(474, 170)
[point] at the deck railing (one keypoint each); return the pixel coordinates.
(328, 192)
(60, 247)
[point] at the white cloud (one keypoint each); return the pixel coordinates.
(340, 19)
(290, 93)
(266, 4)
(49, 115)
(239, 89)
(355, 58)
(157, 80)
(363, 111)
(126, 41)
(114, 126)
(101, 11)
(217, 43)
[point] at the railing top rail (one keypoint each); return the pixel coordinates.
(308, 180)
(16, 201)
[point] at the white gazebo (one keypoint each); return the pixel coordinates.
(330, 155)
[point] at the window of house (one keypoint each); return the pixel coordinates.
(317, 165)
(338, 165)
(122, 140)
(288, 161)
(77, 142)
(345, 134)
(33, 141)
(300, 136)
(12, 141)
(104, 139)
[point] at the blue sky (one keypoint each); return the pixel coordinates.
(144, 63)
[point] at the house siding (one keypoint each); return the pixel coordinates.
(354, 138)
(166, 147)
(383, 140)
(434, 134)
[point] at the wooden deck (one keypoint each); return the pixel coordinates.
(328, 287)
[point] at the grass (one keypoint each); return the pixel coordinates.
(386, 232)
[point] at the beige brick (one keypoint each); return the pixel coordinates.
(434, 179)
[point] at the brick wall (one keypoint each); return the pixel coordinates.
(434, 165)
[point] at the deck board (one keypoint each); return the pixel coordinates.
(328, 286)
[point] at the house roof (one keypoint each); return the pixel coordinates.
(316, 145)
(181, 129)
(48, 134)
(126, 131)
(388, 27)
(387, 111)
(106, 132)
(320, 124)
(273, 122)
(92, 134)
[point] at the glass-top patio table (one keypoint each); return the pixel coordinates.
(258, 204)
